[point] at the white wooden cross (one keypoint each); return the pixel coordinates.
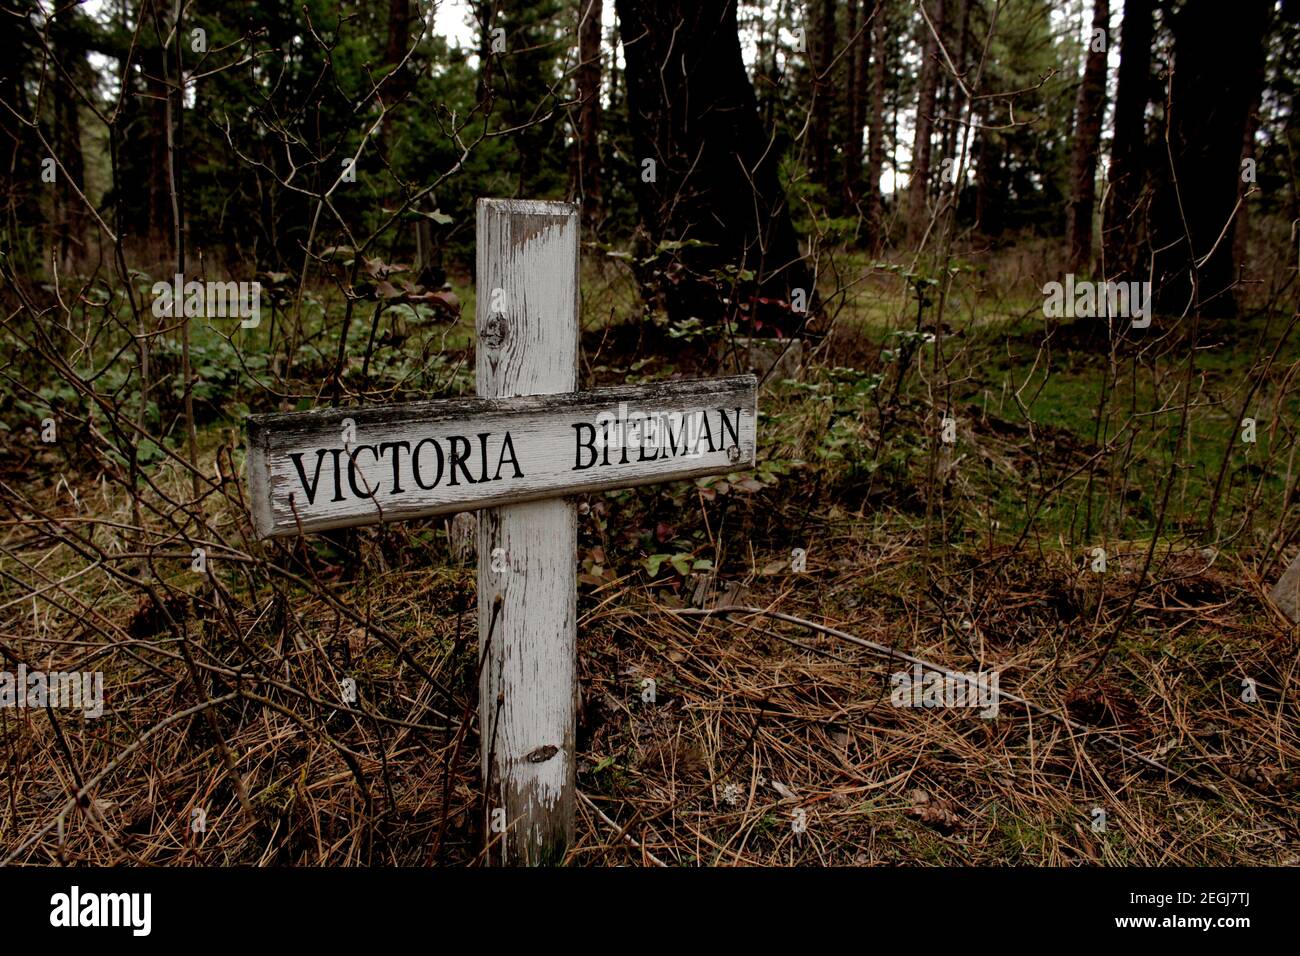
(515, 453)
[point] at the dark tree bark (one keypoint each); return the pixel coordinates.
(1208, 104)
(485, 19)
(1241, 225)
(876, 125)
(917, 187)
(1123, 228)
(397, 81)
(399, 40)
(952, 89)
(71, 216)
(160, 210)
(990, 183)
(824, 100)
(855, 71)
(711, 199)
(587, 153)
(20, 151)
(1090, 106)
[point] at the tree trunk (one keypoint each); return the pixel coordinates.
(160, 211)
(1090, 106)
(876, 124)
(20, 151)
(588, 146)
(990, 184)
(1241, 227)
(706, 180)
(917, 187)
(399, 39)
(1208, 107)
(952, 130)
(483, 11)
(824, 100)
(1123, 230)
(855, 74)
(70, 214)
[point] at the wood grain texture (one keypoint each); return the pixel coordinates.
(1286, 593)
(548, 437)
(528, 344)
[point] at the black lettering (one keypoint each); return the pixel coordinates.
(458, 459)
(508, 445)
(627, 436)
(415, 463)
(338, 476)
(671, 450)
(708, 432)
(728, 427)
(352, 469)
(589, 444)
(310, 490)
(649, 439)
(396, 446)
(482, 455)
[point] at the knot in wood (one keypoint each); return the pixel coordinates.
(543, 754)
(495, 331)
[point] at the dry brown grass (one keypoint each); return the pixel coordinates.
(758, 721)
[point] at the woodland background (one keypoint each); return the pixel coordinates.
(890, 182)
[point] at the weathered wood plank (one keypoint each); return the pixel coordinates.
(306, 474)
(527, 320)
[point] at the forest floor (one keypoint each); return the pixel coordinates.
(764, 734)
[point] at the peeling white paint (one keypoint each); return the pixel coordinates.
(528, 686)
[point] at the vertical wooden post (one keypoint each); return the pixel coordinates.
(526, 315)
